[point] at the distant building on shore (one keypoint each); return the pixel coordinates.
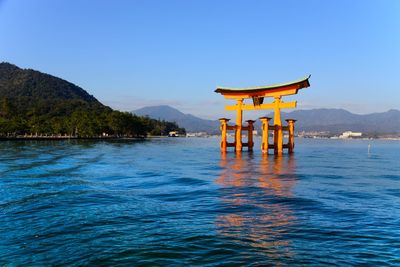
(173, 134)
(350, 134)
(314, 134)
(198, 134)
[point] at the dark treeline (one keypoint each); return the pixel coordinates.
(68, 118)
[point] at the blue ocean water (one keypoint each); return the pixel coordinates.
(178, 201)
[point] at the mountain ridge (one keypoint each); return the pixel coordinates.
(333, 120)
(19, 82)
(190, 122)
(339, 120)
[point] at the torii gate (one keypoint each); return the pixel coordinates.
(258, 94)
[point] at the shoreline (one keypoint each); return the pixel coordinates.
(59, 138)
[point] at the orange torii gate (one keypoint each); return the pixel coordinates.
(257, 94)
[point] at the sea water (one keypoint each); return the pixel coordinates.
(179, 201)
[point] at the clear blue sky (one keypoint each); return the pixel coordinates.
(131, 54)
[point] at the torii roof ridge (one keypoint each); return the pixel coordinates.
(302, 83)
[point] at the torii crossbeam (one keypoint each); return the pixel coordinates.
(257, 94)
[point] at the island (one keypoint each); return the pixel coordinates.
(38, 105)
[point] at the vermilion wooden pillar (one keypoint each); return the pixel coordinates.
(223, 127)
(291, 135)
(265, 134)
(250, 128)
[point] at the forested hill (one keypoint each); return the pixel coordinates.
(35, 103)
(38, 93)
(15, 81)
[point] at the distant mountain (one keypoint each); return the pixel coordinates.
(331, 120)
(339, 120)
(189, 122)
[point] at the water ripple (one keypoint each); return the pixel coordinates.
(174, 202)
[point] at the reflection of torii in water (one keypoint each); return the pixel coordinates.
(257, 219)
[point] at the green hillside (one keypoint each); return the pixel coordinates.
(35, 103)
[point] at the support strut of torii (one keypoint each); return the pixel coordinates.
(257, 94)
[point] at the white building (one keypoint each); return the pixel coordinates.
(350, 134)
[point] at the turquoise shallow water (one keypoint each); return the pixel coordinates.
(177, 201)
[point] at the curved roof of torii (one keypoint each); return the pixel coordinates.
(299, 84)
